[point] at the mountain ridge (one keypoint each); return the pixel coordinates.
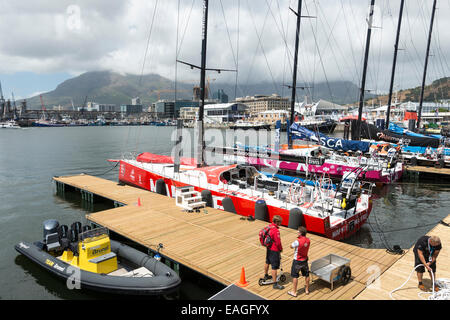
(110, 87)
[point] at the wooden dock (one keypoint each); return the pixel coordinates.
(428, 170)
(399, 272)
(219, 244)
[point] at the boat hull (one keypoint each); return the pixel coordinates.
(156, 285)
(334, 170)
(141, 178)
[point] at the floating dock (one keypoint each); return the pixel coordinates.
(416, 172)
(219, 244)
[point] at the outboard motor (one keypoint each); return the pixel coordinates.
(50, 226)
(76, 226)
(63, 231)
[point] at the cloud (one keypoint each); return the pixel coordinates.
(74, 37)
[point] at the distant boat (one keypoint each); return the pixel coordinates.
(241, 124)
(11, 124)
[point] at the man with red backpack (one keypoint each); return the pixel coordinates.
(274, 249)
(300, 261)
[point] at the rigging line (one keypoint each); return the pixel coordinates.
(143, 66)
(283, 36)
(377, 72)
(176, 55)
(331, 36)
(328, 43)
(285, 56)
(185, 28)
(228, 32)
(148, 41)
(262, 48)
(417, 57)
(237, 52)
(256, 50)
(355, 67)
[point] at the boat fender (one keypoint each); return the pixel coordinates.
(161, 187)
(73, 235)
(414, 161)
(86, 228)
(261, 211)
(228, 205)
(207, 197)
(440, 163)
(344, 203)
(295, 218)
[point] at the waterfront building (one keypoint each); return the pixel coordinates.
(129, 108)
(261, 103)
(225, 112)
(272, 116)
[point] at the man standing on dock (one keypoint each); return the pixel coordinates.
(426, 252)
(273, 255)
(300, 262)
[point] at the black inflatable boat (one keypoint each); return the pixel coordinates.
(88, 258)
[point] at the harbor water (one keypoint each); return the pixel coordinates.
(30, 157)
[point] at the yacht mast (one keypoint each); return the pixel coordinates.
(388, 111)
(294, 72)
(363, 81)
(426, 65)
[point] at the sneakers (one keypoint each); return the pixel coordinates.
(267, 277)
(422, 287)
(277, 286)
(436, 288)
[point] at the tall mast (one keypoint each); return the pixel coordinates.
(426, 65)
(363, 81)
(294, 72)
(200, 153)
(388, 112)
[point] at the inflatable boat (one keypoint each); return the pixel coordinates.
(88, 258)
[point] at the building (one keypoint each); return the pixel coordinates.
(272, 116)
(220, 96)
(164, 109)
(188, 114)
(59, 108)
(130, 108)
(136, 101)
(261, 103)
(225, 112)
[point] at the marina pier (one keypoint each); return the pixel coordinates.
(218, 244)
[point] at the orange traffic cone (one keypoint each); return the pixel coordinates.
(139, 202)
(242, 282)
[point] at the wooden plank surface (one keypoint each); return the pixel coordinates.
(218, 244)
(444, 171)
(402, 270)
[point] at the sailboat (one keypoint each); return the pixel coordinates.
(333, 211)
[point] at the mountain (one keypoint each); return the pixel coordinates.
(113, 88)
(437, 90)
(109, 88)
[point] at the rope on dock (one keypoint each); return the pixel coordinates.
(443, 284)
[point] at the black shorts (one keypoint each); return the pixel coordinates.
(273, 258)
(298, 266)
(421, 269)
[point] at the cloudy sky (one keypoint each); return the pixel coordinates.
(43, 42)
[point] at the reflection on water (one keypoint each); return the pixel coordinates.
(30, 158)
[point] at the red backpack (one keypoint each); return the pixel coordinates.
(264, 236)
